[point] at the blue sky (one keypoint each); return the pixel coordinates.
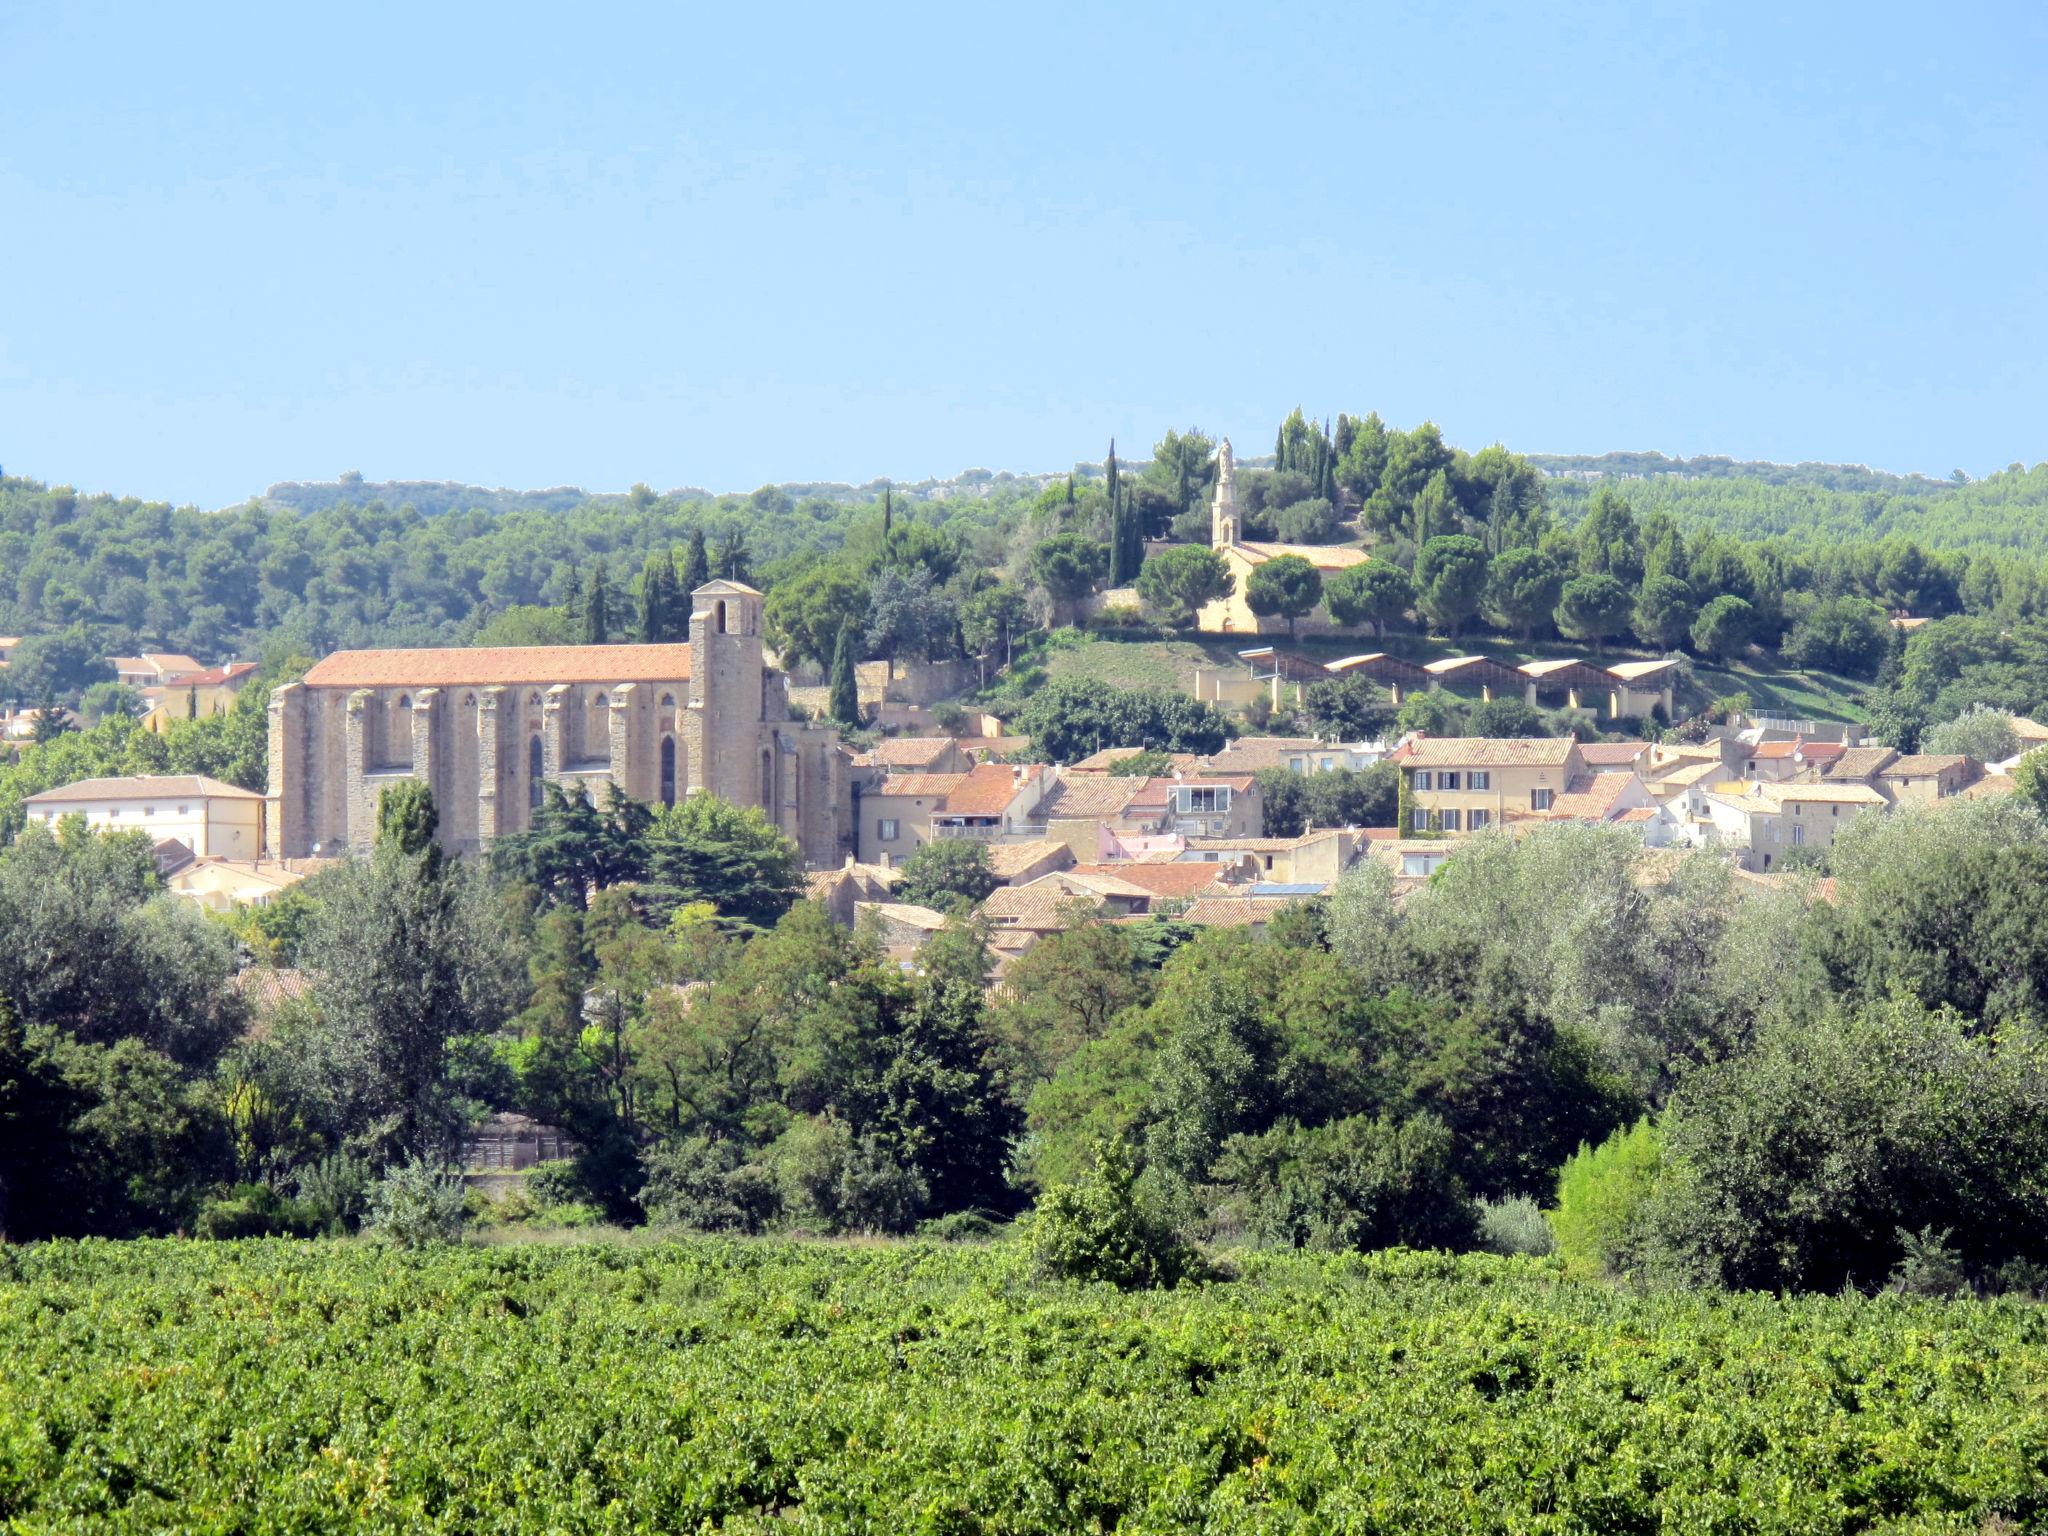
(716, 246)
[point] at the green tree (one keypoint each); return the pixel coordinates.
(1664, 612)
(696, 564)
(527, 624)
(1593, 608)
(1373, 592)
(1072, 718)
(662, 612)
(1364, 459)
(597, 600)
(709, 850)
(1522, 589)
(1068, 566)
(1313, 521)
(1435, 511)
(2030, 780)
(1981, 731)
(1722, 630)
(944, 871)
(1504, 719)
(803, 616)
(907, 616)
(1450, 577)
(1609, 544)
(1177, 582)
(991, 619)
(844, 704)
(1348, 708)
(407, 819)
(1286, 585)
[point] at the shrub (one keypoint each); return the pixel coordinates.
(1514, 1226)
(1600, 1196)
(1928, 1266)
(256, 1210)
(337, 1191)
(556, 1183)
(960, 1227)
(848, 1183)
(417, 1204)
(1101, 1230)
(702, 1184)
(1355, 1184)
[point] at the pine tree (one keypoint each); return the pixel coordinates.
(696, 564)
(597, 604)
(731, 562)
(844, 703)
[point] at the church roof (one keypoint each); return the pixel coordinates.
(486, 666)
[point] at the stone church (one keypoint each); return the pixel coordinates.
(1231, 614)
(484, 728)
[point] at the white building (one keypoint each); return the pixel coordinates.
(213, 819)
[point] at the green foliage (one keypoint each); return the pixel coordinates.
(1068, 566)
(255, 1210)
(1348, 708)
(1601, 1194)
(1476, 1393)
(1352, 1185)
(1504, 717)
(1594, 608)
(1723, 629)
(2030, 780)
(1103, 1230)
(1982, 731)
(1310, 521)
(1842, 634)
(945, 871)
(416, 1205)
(1343, 797)
(407, 818)
(1450, 578)
(1375, 593)
(1522, 589)
(1664, 612)
(527, 624)
(1287, 586)
(1072, 718)
(844, 702)
(1515, 1227)
(1176, 582)
(1796, 1165)
(707, 1186)
(705, 849)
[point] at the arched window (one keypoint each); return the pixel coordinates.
(668, 770)
(534, 772)
(719, 615)
(668, 701)
(768, 782)
(405, 701)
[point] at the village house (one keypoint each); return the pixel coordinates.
(153, 667)
(195, 695)
(1464, 784)
(1318, 855)
(991, 803)
(844, 890)
(918, 754)
(1768, 822)
(901, 928)
(207, 817)
(1297, 754)
(1921, 778)
(223, 884)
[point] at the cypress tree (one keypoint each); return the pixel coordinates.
(676, 622)
(696, 564)
(1112, 476)
(888, 517)
(844, 702)
(597, 609)
(1280, 449)
(655, 601)
(572, 597)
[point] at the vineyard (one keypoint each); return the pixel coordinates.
(274, 1386)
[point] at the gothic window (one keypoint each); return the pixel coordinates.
(534, 769)
(768, 782)
(668, 770)
(405, 701)
(720, 615)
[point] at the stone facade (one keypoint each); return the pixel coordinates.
(485, 728)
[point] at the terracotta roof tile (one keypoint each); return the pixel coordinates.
(924, 786)
(1487, 752)
(1172, 882)
(1590, 797)
(1613, 754)
(502, 666)
(1009, 860)
(143, 787)
(1860, 762)
(985, 791)
(912, 751)
(1086, 797)
(1234, 911)
(1923, 765)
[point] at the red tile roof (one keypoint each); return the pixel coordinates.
(1171, 882)
(1767, 750)
(1613, 754)
(912, 751)
(502, 665)
(1487, 752)
(986, 791)
(924, 786)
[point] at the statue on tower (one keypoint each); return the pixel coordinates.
(1223, 516)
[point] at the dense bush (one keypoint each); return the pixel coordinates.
(1103, 1229)
(1601, 1193)
(417, 1204)
(1353, 1184)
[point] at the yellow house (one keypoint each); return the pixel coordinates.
(195, 695)
(212, 819)
(1232, 615)
(153, 667)
(1462, 784)
(221, 885)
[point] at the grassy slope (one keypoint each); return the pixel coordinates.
(1172, 663)
(907, 1387)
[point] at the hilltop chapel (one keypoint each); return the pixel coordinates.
(484, 728)
(1231, 614)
